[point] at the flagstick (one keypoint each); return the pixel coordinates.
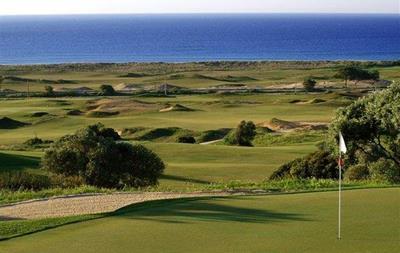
(340, 197)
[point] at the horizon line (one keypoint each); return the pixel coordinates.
(200, 13)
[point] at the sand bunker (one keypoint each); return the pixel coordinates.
(279, 125)
(176, 108)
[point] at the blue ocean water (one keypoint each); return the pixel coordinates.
(183, 38)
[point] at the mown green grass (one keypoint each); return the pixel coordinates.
(211, 112)
(196, 166)
(304, 222)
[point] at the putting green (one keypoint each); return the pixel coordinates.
(276, 223)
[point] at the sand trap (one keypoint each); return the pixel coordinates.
(279, 125)
(87, 204)
(176, 108)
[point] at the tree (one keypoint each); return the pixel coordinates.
(371, 127)
(101, 161)
(354, 72)
(245, 133)
(107, 90)
(49, 90)
(309, 84)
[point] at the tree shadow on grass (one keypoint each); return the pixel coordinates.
(10, 162)
(204, 209)
(184, 179)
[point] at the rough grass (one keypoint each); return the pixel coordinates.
(231, 224)
(270, 139)
(192, 75)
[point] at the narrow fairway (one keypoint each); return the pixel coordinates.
(277, 223)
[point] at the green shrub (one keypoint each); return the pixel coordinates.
(385, 170)
(357, 172)
(100, 161)
(144, 166)
(24, 181)
(107, 90)
(66, 182)
(243, 135)
(34, 141)
(105, 132)
(230, 138)
(320, 165)
(309, 84)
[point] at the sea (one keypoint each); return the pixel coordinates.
(198, 37)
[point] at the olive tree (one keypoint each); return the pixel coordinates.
(371, 126)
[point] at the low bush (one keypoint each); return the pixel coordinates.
(63, 182)
(24, 181)
(357, 172)
(34, 141)
(320, 164)
(385, 170)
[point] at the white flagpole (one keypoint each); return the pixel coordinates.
(340, 197)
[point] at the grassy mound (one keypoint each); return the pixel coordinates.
(39, 114)
(176, 108)
(278, 124)
(296, 137)
(316, 101)
(170, 134)
(8, 123)
(74, 112)
(100, 114)
(213, 135)
(121, 105)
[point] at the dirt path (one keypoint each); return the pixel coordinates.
(211, 142)
(89, 204)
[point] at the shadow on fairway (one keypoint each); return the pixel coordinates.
(204, 209)
(10, 162)
(184, 179)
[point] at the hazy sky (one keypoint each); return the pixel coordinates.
(20, 7)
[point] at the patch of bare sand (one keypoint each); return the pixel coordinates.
(279, 125)
(88, 204)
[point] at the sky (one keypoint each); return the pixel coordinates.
(39, 7)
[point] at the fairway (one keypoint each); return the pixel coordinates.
(304, 222)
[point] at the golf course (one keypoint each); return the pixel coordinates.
(222, 196)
